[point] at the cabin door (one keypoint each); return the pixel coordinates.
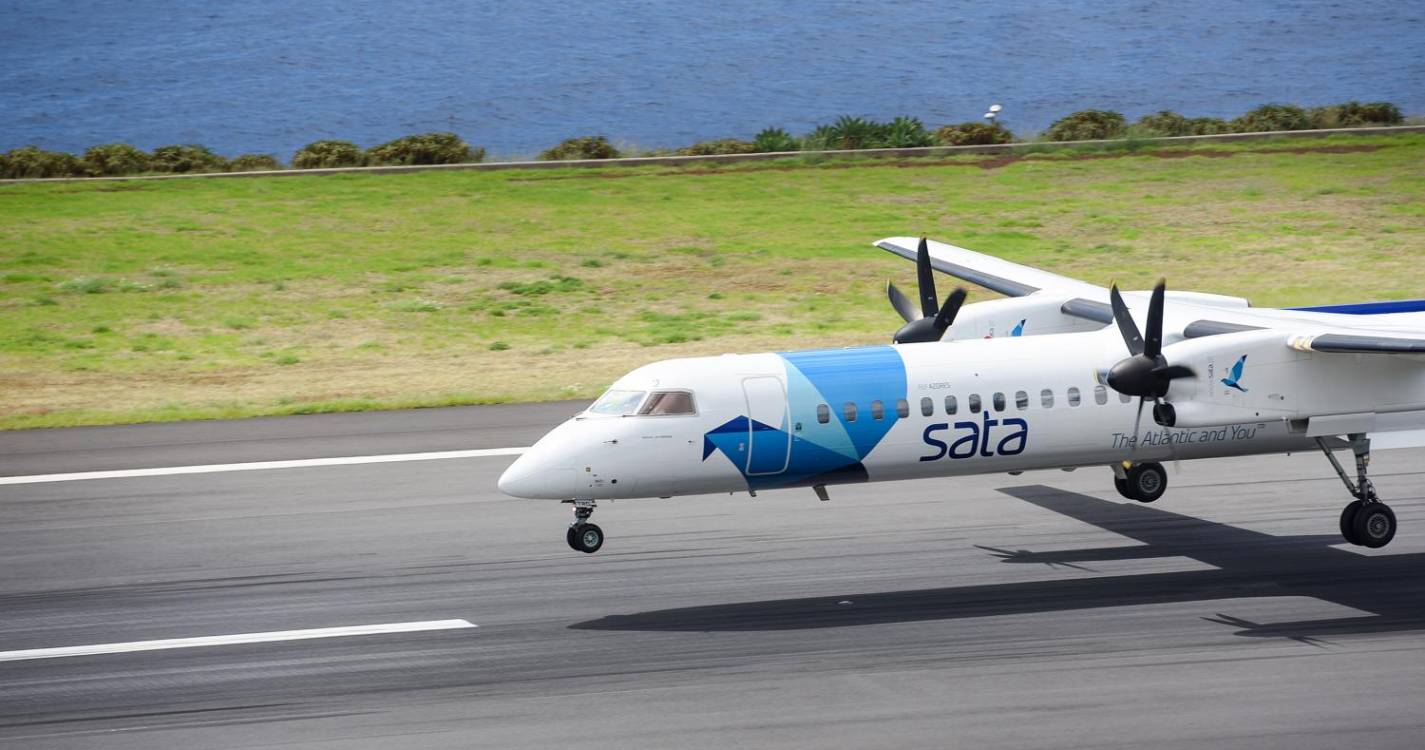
(769, 441)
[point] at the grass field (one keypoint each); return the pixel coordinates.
(135, 301)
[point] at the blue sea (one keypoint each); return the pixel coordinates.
(271, 75)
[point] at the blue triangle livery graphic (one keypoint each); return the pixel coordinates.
(819, 452)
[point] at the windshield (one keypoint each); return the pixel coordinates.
(617, 403)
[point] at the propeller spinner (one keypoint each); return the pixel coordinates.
(932, 320)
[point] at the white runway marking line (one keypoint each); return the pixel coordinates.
(231, 640)
(299, 463)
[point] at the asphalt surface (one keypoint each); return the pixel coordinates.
(1031, 611)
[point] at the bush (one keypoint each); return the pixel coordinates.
(1209, 126)
(254, 163)
(32, 161)
(1355, 114)
(973, 134)
(1270, 117)
(188, 157)
(713, 148)
(857, 133)
(112, 159)
(1088, 125)
(1163, 123)
(904, 132)
(322, 154)
(1168, 123)
(1380, 113)
(425, 148)
(774, 139)
(846, 133)
(587, 147)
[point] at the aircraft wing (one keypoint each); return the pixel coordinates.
(1359, 343)
(996, 274)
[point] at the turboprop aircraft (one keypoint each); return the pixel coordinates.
(1055, 376)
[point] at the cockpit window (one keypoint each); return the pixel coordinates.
(663, 403)
(617, 403)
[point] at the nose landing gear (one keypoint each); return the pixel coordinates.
(582, 535)
(1365, 521)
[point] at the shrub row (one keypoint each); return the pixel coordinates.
(115, 159)
(1091, 124)
(847, 132)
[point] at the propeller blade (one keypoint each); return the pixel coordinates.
(1138, 420)
(902, 303)
(925, 276)
(1173, 372)
(1153, 342)
(947, 314)
(1131, 337)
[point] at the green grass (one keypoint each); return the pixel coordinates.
(133, 301)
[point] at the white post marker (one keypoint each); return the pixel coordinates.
(233, 640)
(299, 463)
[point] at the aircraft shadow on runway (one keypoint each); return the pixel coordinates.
(1249, 564)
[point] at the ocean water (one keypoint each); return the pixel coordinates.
(270, 75)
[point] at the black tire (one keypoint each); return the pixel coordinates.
(1374, 525)
(569, 538)
(1147, 482)
(1348, 521)
(1122, 486)
(586, 537)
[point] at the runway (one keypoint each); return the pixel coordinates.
(1033, 611)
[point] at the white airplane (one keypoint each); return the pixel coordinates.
(1047, 379)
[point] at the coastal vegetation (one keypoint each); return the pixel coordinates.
(845, 133)
(162, 300)
(587, 147)
(427, 148)
(327, 154)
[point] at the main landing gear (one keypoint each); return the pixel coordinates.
(1365, 521)
(1143, 482)
(582, 535)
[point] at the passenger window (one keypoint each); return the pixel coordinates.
(823, 413)
(974, 403)
(927, 407)
(1125, 398)
(1073, 397)
(1021, 400)
(849, 411)
(1100, 395)
(878, 410)
(1046, 398)
(998, 401)
(951, 406)
(667, 403)
(902, 408)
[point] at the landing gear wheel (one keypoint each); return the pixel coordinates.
(586, 537)
(1146, 482)
(1122, 486)
(1374, 525)
(1348, 521)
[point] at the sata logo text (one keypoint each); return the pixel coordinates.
(977, 439)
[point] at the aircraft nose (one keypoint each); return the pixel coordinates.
(531, 477)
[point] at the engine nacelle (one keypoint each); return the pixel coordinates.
(1249, 376)
(1255, 376)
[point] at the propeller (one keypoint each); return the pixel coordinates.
(1146, 372)
(930, 322)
